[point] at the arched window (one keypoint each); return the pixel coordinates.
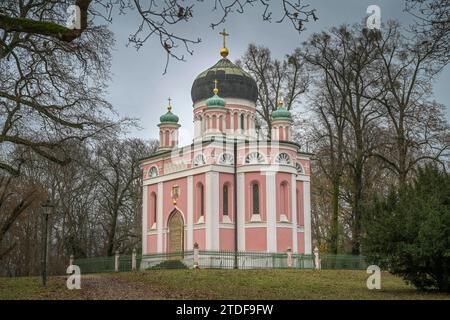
(242, 121)
(200, 200)
(284, 205)
(153, 207)
(166, 138)
(255, 198)
(225, 200)
(214, 122)
(299, 209)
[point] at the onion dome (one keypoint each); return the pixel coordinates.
(215, 100)
(234, 81)
(169, 117)
(281, 113)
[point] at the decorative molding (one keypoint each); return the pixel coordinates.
(190, 213)
(144, 218)
(255, 218)
(199, 160)
(271, 213)
(241, 210)
(255, 158)
(307, 218)
(283, 158)
(153, 172)
(159, 218)
(226, 159)
(294, 213)
(190, 171)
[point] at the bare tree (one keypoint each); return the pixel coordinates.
(416, 126)
(275, 79)
(51, 91)
(16, 197)
(346, 58)
(117, 170)
(158, 18)
(328, 141)
(432, 25)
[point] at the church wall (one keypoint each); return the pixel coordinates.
(255, 239)
(284, 239)
(226, 237)
(200, 238)
(151, 244)
(300, 204)
(306, 166)
(301, 242)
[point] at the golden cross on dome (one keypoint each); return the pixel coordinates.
(225, 35)
(216, 90)
(280, 103)
(224, 50)
(169, 106)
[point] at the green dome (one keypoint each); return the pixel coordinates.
(169, 117)
(215, 101)
(281, 113)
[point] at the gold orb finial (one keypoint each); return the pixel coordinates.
(224, 50)
(280, 103)
(216, 90)
(169, 107)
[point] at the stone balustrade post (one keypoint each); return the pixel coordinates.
(317, 259)
(289, 257)
(196, 256)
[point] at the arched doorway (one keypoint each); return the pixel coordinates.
(175, 243)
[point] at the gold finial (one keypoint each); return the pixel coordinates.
(280, 103)
(216, 91)
(224, 51)
(169, 107)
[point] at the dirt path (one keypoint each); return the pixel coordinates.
(114, 287)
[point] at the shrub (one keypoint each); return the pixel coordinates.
(408, 232)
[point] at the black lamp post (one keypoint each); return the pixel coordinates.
(47, 207)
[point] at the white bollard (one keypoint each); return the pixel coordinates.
(116, 262)
(133, 260)
(71, 259)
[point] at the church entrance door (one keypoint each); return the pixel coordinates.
(176, 235)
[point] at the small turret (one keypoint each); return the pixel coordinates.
(168, 129)
(281, 123)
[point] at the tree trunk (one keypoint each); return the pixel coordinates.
(334, 229)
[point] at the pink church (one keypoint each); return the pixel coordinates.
(228, 190)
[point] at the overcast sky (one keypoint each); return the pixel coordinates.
(139, 89)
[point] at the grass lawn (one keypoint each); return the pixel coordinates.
(216, 284)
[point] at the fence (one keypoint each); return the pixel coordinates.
(220, 260)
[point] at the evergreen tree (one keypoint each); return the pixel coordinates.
(408, 232)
